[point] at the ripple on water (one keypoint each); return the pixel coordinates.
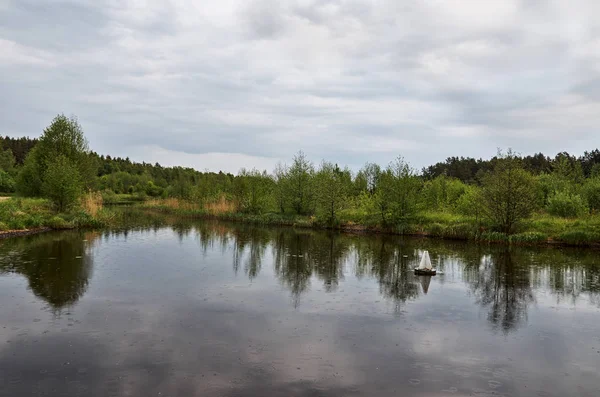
(450, 390)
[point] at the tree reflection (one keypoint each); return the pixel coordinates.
(291, 262)
(327, 255)
(251, 243)
(503, 287)
(57, 266)
(391, 264)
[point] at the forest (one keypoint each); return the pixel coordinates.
(508, 197)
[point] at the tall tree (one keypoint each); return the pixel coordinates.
(399, 186)
(281, 186)
(332, 188)
(300, 184)
(63, 137)
(508, 193)
(62, 183)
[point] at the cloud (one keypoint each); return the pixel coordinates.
(346, 80)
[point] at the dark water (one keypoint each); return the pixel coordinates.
(221, 310)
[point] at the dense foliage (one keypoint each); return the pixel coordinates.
(497, 195)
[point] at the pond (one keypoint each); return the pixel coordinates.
(215, 309)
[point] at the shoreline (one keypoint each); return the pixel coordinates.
(352, 228)
(366, 230)
(24, 232)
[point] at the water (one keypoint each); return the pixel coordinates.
(213, 309)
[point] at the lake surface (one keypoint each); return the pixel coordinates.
(213, 309)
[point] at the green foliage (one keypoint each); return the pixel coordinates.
(567, 205)
(591, 192)
(494, 237)
(252, 191)
(7, 161)
(579, 237)
(299, 185)
(528, 238)
(62, 183)
(508, 194)
(396, 194)
(332, 186)
(58, 223)
(442, 192)
(7, 183)
(63, 138)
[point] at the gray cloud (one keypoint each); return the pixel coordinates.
(218, 83)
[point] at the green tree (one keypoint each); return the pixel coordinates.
(280, 176)
(367, 178)
(508, 194)
(252, 190)
(591, 191)
(300, 192)
(332, 188)
(398, 190)
(567, 205)
(7, 183)
(62, 183)
(7, 161)
(64, 137)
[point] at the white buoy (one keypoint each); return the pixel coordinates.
(425, 262)
(425, 268)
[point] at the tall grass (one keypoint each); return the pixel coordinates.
(92, 203)
(220, 207)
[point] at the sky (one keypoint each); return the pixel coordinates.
(225, 84)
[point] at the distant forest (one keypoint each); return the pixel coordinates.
(466, 169)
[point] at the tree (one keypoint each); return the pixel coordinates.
(332, 188)
(64, 137)
(399, 186)
(7, 161)
(251, 190)
(508, 193)
(62, 183)
(299, 187)
(281, 186)
(7, 183)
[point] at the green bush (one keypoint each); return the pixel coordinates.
(528, 238)
(3, 227)
(463, 231)
(494, 237)
(7, 183)
(579, 237)
(591, 191)
(435, 229)
(567, 205)
(58, 223)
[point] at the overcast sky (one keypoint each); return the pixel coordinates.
(221, 84)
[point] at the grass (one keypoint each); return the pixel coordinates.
(20, 213)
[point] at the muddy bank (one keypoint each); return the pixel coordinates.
(25, 232)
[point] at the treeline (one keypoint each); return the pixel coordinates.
(496, 193)
(470, 170)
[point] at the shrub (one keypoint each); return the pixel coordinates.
(3, 227)
(58, 223)
(591, 191)
(579, 237)
(567, 205)
(435, 229)
(463, 231)
(528, 238)
(494, 237)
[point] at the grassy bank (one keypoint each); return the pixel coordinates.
(540, 229)
(18, 214)
(32, 213)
